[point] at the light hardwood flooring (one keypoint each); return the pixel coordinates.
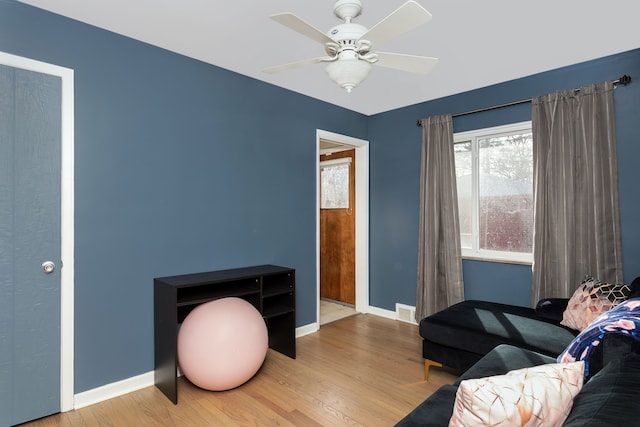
(330, 311)
(363, 370)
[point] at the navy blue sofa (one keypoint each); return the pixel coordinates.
(462, 334)
(482, 339)
(607, 399)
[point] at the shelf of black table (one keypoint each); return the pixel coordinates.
(270, 288)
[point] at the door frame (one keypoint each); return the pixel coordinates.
(67, 218)
(362, 217)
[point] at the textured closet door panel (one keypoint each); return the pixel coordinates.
(30, 142)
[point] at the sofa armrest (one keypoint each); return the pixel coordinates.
(552, 308)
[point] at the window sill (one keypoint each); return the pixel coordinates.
(497, 259)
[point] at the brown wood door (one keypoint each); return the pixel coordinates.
(338, 243)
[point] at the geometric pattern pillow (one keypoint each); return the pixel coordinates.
(537, 396)
(590, 300)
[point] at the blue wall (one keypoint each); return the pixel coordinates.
(395, 169)
(180, 167)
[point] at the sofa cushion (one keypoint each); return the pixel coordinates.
(609, 397)
(502, 359)
(536, 396)
(479, 326)
(635, 288)
(551, 308)
(613, 347)
(590, 300)
(434, 411)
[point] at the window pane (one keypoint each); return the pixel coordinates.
(334, 188)
(463, 157)
(505, 192)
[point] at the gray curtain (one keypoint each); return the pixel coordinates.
(576, 219)
(439, 283)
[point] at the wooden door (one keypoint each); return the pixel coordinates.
(30, 221)
(338, 242)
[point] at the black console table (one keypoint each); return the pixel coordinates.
(271, 289)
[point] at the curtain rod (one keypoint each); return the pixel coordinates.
(624, 80)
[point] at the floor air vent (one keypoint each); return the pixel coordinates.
(406, 313)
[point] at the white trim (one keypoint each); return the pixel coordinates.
(109, 391)
(362, 217)
(138, 382)
(388, 314)
(491, 131)
(307, 329)
(67, 217)
(475, 253)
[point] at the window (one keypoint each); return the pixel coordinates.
(494, 170)
(334, 186)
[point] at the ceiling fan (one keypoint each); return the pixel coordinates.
(349, 46)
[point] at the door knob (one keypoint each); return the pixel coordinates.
(48, 267)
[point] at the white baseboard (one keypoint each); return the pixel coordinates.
(307, 329)
(398, 315)
(109, 391)
(383, 313)
(118, 388)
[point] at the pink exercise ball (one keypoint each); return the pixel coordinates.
(222, 344)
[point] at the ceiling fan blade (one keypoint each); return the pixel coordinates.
(297, 64)
(297, 24)
(411, 63)
(405, 18)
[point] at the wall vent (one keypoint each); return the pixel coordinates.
(406, 313)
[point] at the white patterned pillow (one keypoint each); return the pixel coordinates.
(539, 396)
(590, 300)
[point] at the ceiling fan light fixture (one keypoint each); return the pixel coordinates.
(348, 73)
(347, 9)
(351, 48)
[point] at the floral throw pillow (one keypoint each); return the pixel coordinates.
(590, 300)
(537, 396)
(622, 320)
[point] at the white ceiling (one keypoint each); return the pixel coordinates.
(478, 43)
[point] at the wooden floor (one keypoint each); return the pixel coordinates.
(330, 311)
(363, 370)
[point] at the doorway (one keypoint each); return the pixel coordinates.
(28, 71)
(328, 142)
(337, 233)
(338, 227)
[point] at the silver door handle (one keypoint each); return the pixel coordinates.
(48, 267)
